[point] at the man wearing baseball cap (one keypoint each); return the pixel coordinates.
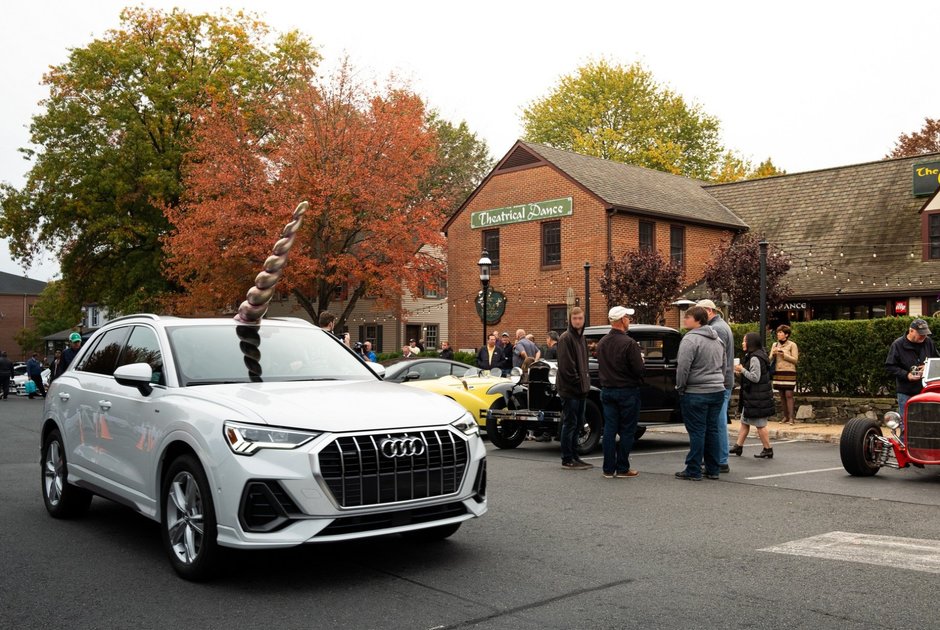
(906, 359)
(75, 344)
(620, 366)
(716, 321)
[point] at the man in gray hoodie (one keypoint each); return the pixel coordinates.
(700, 381)
(716, 321)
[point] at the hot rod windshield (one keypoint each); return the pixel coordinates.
(212, 354)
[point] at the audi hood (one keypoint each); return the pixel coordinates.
(332, 406)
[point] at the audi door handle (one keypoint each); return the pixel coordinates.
(104, 404)
(64, 397)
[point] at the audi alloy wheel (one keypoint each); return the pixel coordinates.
(62, 499)
(188, 519)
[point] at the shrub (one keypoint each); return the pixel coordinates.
(844, 357)
(465, 357)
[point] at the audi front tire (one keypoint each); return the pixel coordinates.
(432, 534)
(62, 499)
(188, 520)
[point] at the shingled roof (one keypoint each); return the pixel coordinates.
(11, 284)
(850, 230)
(642, 190)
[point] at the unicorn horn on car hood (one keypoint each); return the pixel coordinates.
(259, 296)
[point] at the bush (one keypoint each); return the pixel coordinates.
(465, 357)
(844, 357)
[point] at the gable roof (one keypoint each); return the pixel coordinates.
(11, 284)
(848, 230)
(620, 186)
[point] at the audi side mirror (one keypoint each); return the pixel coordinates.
(136, 375)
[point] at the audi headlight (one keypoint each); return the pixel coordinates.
(466, 425)
(248, 439)
(892, 420)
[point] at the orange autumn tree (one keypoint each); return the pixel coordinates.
(361, 155)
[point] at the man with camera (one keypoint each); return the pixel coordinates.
(906, 359)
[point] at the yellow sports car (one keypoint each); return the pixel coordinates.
(473, 390)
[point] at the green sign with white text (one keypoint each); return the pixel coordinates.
(537, 211)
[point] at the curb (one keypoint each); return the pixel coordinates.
(827, 437)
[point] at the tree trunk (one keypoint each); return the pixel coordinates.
(350, 305)
(307, 305)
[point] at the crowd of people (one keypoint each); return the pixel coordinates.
(35, 366)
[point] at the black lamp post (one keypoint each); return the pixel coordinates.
(485, 264)
(587, 294)
(763, 290)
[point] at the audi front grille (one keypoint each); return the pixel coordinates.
(923, 426)
(374, 469)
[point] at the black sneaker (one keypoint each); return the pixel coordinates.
(724, 468)
(684, 475)
(575, 465)
(583, 463)
(711, 476)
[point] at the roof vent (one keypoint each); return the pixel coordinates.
(519, 157)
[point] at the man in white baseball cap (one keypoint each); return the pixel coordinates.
(727, 338)
(620, 367)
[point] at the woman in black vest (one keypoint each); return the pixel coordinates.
(757, 396)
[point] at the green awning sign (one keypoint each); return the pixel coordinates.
(537, 211)
(926, 178)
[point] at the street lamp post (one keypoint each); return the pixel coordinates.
(587, 294)
(763, 290)
(485, 264)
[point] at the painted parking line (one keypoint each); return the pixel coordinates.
(686, 450)
(890, 551)
(790, 474)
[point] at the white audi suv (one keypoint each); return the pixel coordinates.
(253, 437)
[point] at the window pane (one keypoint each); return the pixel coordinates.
(430, 336)
(646, 235)
(104, 358)
(491, 245)
(677, 244)
(551, 243)
(558, 318)
(143, 347)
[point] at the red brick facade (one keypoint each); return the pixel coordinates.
(14, 316)
(531, 288)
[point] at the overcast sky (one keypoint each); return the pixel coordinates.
(810, 84)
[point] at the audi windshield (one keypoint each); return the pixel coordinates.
(213, 354)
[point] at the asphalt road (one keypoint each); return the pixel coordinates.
(558, 549)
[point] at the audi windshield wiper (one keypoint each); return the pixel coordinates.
(192, 383)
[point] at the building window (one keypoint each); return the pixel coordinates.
(434, 291)
(677, 244)
(373, 333)
(933, 235)
(647, 235)
(551, 243)
(491, 245)
(431, 335)
(557, 317)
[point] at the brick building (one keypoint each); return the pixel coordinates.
(542, 213)
(17, 296)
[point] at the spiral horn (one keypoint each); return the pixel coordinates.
(259, 296)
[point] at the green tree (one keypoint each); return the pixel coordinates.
(463, 160)
(621, 113)
(54, 310)
(109, 143)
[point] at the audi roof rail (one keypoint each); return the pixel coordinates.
(144, 315)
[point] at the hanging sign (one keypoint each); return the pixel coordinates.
(536, 211)
(495, 306)
(926, 178)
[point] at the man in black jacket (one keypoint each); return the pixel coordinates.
(906, 359)
(6, 373)
(489, 356)
(620, 365)
(573, 385)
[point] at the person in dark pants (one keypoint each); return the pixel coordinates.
(906, 359)
(506, 348)
(700, 381)
(573, 385)
(75, 344)
(34, 372)
(620, 365)
(6, 373)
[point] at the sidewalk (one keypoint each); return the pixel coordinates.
(806, 431)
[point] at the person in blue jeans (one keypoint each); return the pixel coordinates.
(716, 321)
(620, 367)
(700, 382)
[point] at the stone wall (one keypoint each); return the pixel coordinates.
(832, 410)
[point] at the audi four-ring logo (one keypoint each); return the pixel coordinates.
(402, 447)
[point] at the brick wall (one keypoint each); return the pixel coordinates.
(15, 316)
(528, 286)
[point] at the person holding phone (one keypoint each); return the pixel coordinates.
(906, 359)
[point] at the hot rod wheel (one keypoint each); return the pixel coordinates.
(859, 447)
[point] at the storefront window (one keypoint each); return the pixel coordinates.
(878, 310)
(933, 227)
(845, 312)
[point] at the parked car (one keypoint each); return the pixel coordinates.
(535, 405)
(914, 439)
(20, 378)
(475, 390)
(253, 437)
(402, 370)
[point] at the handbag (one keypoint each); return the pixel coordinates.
(30, 387)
